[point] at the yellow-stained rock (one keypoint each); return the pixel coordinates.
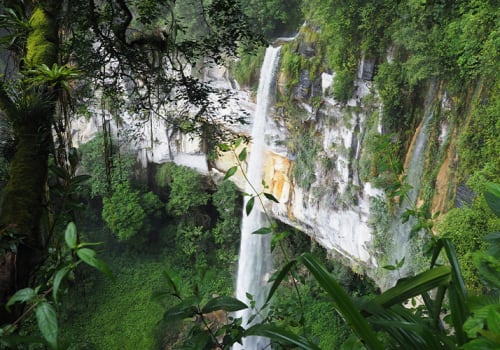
(276, 176)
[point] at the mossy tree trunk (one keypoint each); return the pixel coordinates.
(31, 113)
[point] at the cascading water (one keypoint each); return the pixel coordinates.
(414, 171)
(255, 261)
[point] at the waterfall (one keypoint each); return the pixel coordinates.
(414, 171)
(255, 261)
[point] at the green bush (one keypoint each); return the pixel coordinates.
(246, 69)
(466, 228)
(93, 161)
(122, 212)
(226, 232)
(186, 191)
(343, 85)
(305, 160)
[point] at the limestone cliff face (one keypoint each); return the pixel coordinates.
(329, 182)
(319, 163)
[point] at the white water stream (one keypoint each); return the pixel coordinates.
(255, 261)
(414, 172)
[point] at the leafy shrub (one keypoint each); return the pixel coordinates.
(343, 85)
(122, 212)
(305, 160)
(186, 189)
(92, 159)
(226, 232)
(246, 69)
(466, 228)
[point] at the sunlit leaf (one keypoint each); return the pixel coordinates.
(89, 257)
(225, 303)
(263, 231)
(414, 286)
(58, 279)
(230, 172)
(243, 154)
(70, 235)
(22, 295)
(47, 322)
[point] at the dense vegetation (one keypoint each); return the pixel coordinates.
(451, 45)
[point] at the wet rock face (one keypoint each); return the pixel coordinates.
(368, 69)
(306, 89)
(307, 50)
(301, 91)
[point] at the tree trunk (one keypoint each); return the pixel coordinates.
(24, 196)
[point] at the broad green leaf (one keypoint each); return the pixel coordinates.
(263, 231)
(271, 197)
(472, 326)
(47, 322)
(414, 286)
(230, 172)
(89, 257)
(61, 172)
(494, 244)
(281, 335)
(58, 279)
(342, 302)
(172, 281)
(243, 154)
(225, 303)
(389, 267)
(70, 235)
(22, 295)
(494, 321)
(185, 309)
(249, 205)
(79, 179)
(457, 292)
(492, 196)
(278, 277)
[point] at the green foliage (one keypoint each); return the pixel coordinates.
(186, 189)
(41, 46)
(393, 91)
(123, 212)
(291, 63)
(93, 161)
(273, 18)
(466, 228)
(343, 85)
(246, 69)
(304, 165)
(226, 232)
(44, 308)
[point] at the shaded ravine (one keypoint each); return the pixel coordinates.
(255, 260)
